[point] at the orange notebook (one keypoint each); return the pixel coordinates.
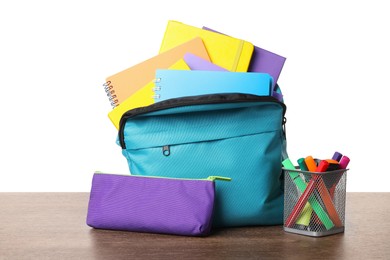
(125, 83)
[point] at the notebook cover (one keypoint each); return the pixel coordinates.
(197, 63)
(230, 53)
(180, 83)
(264, 61)
(127, 82)
(141, 98)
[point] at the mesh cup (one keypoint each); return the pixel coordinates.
(314, 203)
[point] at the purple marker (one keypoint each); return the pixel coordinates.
(337, 156)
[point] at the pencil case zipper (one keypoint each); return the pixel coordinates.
(210, 178)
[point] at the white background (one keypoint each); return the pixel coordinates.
(55, 56)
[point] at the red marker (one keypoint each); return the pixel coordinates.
(322, 166)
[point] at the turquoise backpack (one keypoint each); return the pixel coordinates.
(231, 135)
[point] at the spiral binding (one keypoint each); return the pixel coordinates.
(108, 88)
(157, 88)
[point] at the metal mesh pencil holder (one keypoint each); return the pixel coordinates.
(314, 203)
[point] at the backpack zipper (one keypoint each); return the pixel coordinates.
(190, 101)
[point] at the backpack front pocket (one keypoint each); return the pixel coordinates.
(249, 160)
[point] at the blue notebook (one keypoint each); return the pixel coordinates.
(197, 63)
(180, 83)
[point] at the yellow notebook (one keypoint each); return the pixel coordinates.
(125, 83)
(230, 53)
(143, 97)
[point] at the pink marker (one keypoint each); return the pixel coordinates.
(343, 165)
(344, 162)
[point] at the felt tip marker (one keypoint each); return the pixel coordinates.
(322, 166)
(288, 164)
(343, 165)
(302, 164)
(310, 163)
(305, 216)
(344, 162)
(337, 156)
(332, 161)
(333, 167)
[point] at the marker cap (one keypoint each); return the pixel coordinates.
(310, 163)
(322, 166)
(302, 164)
(332, 161)
(333, 166)
(337, 156)
(344, 162)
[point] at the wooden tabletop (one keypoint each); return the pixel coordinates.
(52, 226)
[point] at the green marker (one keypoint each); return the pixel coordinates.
(302, 164)
(304, 217)
(322, 215)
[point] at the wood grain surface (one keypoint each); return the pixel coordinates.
(52, 226)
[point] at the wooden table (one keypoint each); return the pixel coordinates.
(52, 226)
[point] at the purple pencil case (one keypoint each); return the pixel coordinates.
(152, 204)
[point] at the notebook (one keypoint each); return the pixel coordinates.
(264, 61)
(180, 83)
(197, 63)
(141, 98)
(230, 53)
(123, 84)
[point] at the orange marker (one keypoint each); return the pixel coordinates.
(310, 163)
(332, 161)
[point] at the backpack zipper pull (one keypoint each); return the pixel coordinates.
(166, 150)
(219, 178)
(284, 126)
